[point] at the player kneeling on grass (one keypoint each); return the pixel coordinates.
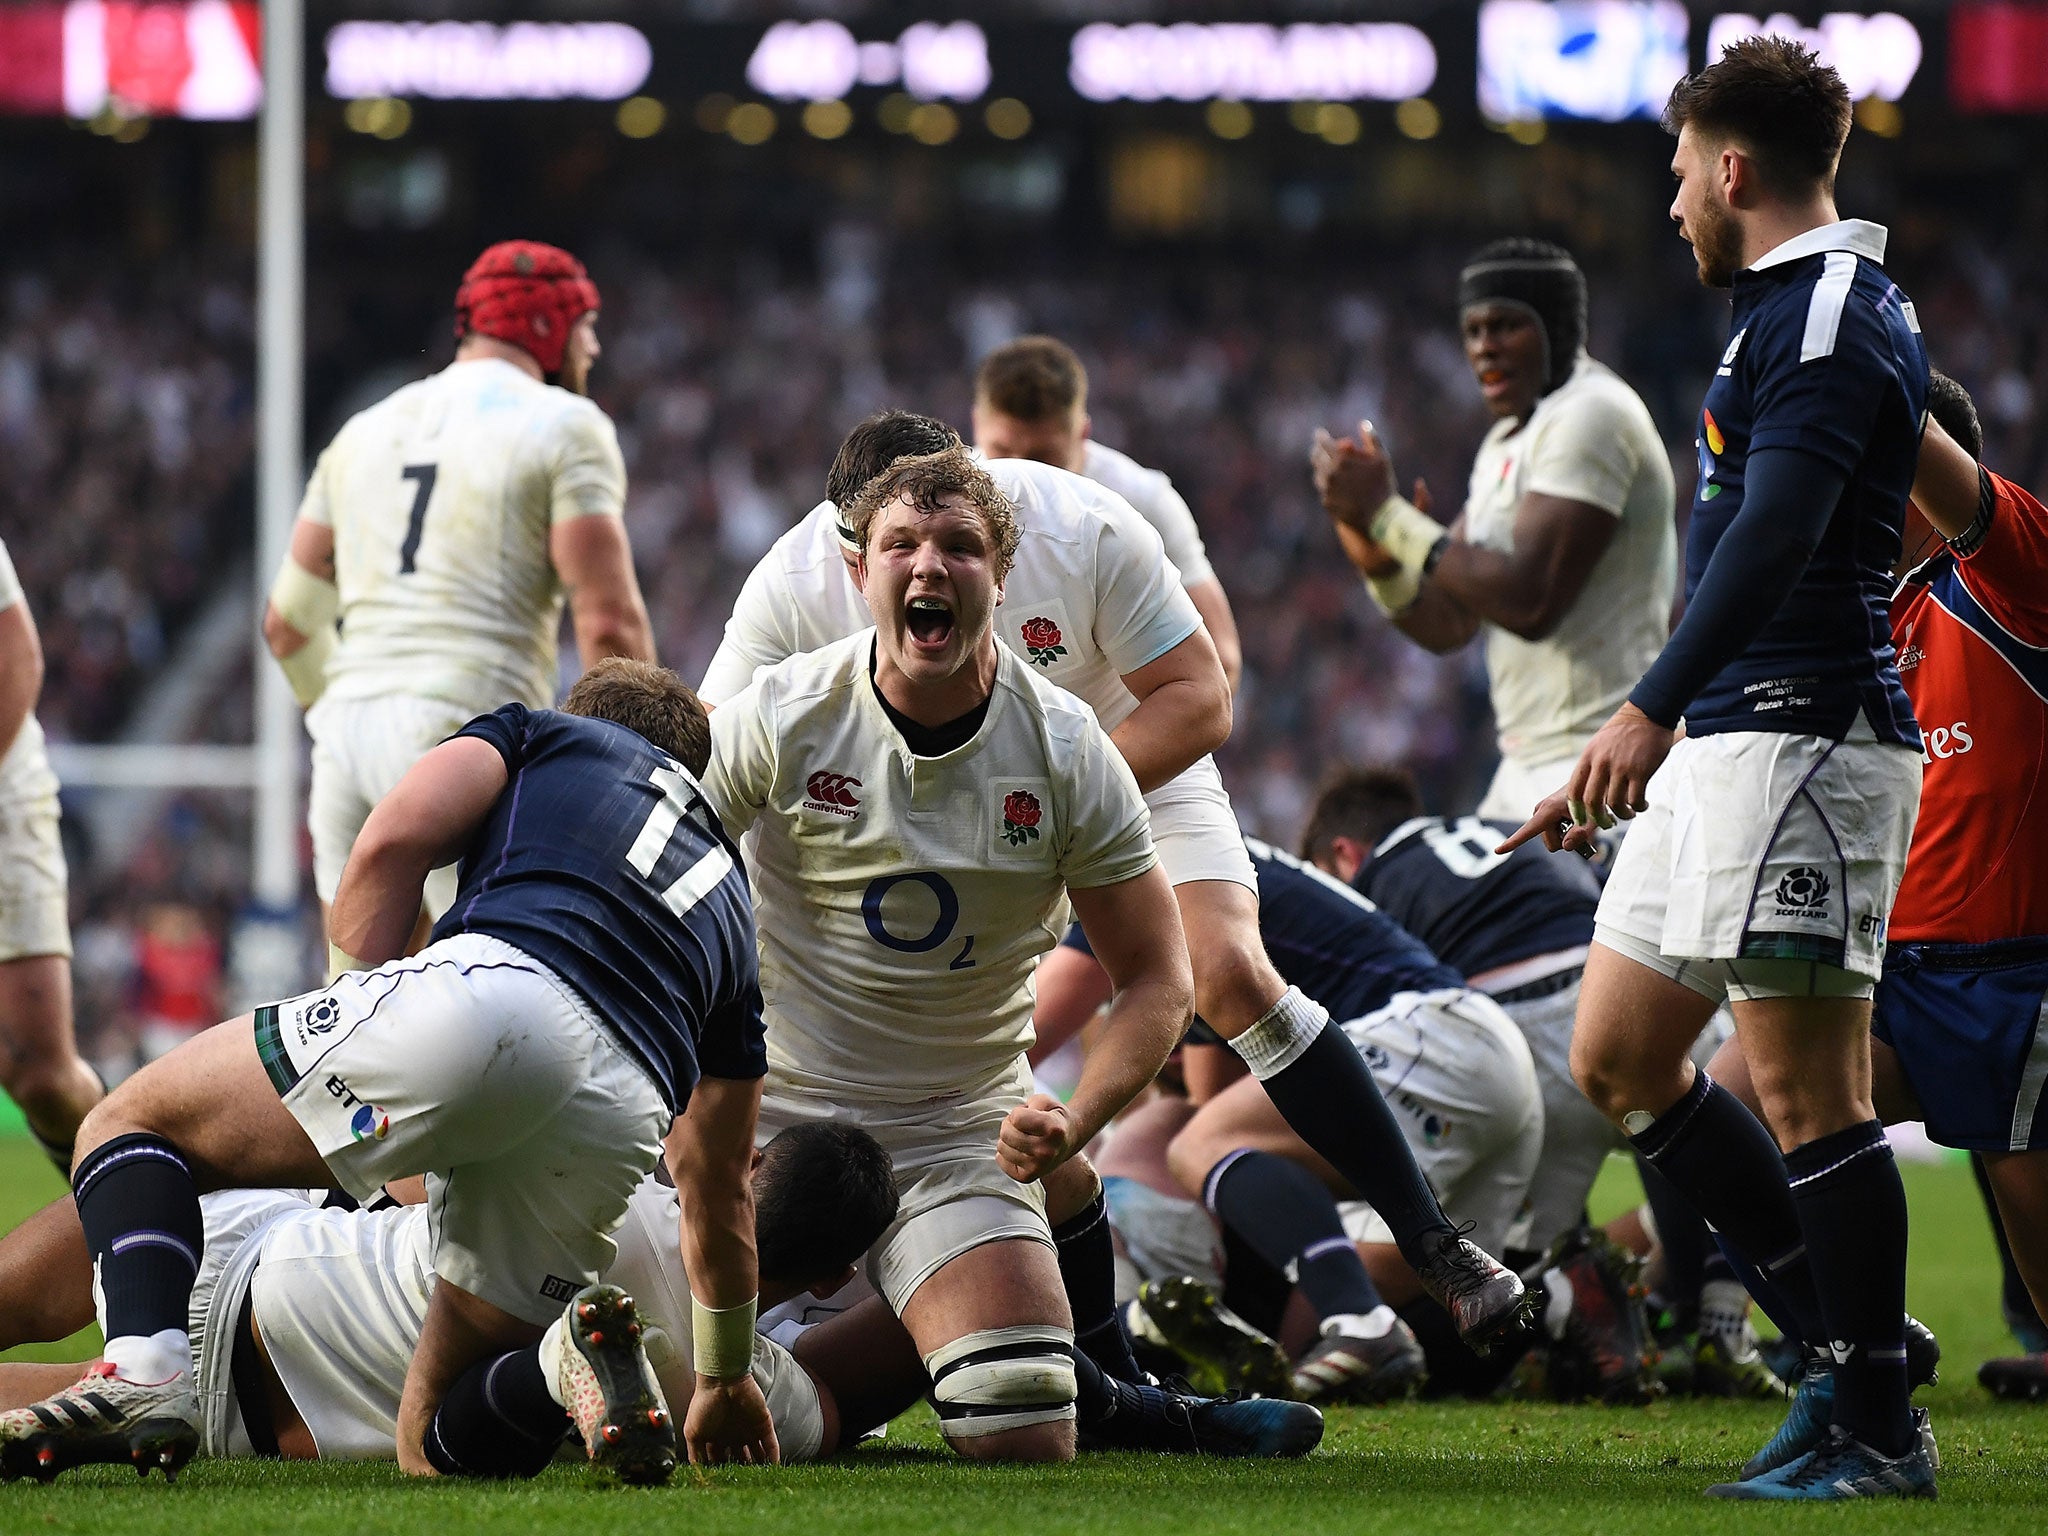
(922, 809)
(596, 975)
(304, 1316)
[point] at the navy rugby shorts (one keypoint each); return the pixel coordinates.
(1970, 1025)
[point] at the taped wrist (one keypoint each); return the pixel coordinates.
(722, 1339)
(1275, 1042)
(306, 668)
(1396, 592)
(1003, 1378)
(1406, 532)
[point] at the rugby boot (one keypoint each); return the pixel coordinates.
(1219, 1352)
(2016, 1378)
(1923, 1355)
(603, 1376)
(1348, 1365)
(1487, 1301)
(1806, 1423)
(1603, 1350)
(104, 1418)
(1842, 1467)
(1148, 1417)
(1730, 1365)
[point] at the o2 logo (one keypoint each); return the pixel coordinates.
(941, 926)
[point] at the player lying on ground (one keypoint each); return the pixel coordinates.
(920, 809)
(1094, 607)
(596, 979)
(1960, 1022)
(1766, 853)
(1031, 402)
(441, 532)
(303, 1317)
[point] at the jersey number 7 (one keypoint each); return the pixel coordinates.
(422, 476)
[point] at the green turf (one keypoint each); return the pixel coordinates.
(1424, 1469)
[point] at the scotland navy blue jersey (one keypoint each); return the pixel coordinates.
(1330, 941)
(1478, 910)
(1825, 357)
(601, 860)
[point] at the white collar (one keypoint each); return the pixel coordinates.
(1858, 236)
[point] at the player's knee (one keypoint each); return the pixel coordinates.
(1007, 1393)
(1608, 1074)
(1189, 1157)
(1235, 983)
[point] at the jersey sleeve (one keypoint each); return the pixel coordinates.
(505, 729)
(1590, 452)
(1174, 521)
(587, 473)
(741, 773)
(760, 633)
(1109, 831)
(1817, 390)
(734, 1040)
(10, 583)
(1142, 611)
(2008, 571)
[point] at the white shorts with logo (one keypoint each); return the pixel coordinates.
(1459, 1077)
(1761, 846)
(34, 919)
(361, 749)
(475, 1064)
(1196, 831)
(952, 1195)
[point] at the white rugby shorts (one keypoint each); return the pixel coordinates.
(953, 1197)
(1459, 1077)
(1760, 846)
(361, 749)
(475, 1064)
(1196, 831)
(33, 915)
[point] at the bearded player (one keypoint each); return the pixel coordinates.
(440, 535)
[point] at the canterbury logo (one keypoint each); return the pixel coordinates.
(833, 789)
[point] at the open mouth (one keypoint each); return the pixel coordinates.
(930, 621)
(1488, 377)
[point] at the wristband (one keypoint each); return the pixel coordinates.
(1394, 592)
(1406, 532)
(722, 1338)
(340, 962)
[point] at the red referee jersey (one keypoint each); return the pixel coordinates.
(1972, 639)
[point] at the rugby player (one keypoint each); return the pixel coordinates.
(442, 530)
(920, 808)
(1094, 606)
(1564, 555)
(1031, 402)
(39, 1062)
(1766, 854)
(596, 977)
(303, 1315)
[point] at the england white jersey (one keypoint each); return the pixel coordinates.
(1091, 596)
(1152, 493)
(25, 776)
(1592, 440)
(442, 499)
(902, 902)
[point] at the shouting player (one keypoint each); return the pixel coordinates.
(922, 809)
(1564, 554)
(443, 528)
(1766, 854)
(1093, 605)
(39, 1062)
(1031, 402)
(597, 975)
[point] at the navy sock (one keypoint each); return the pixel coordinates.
(1127, 1415)
(1327, 1094)
(1684, 1238)
(1283, 1211)
(1853, 1208)
(498, 1420)
(140, 1210)
(1088, 1269)
(1721, 1159)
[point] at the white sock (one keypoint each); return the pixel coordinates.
(552, 1343)
(1557, 1302)
(1724, 1310)
(1376, 1324)
(150, 1360)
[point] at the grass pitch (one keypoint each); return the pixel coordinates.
(1427, 1469)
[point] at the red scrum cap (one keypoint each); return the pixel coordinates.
(528, 294)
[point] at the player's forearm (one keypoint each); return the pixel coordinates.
(612, 627)
(1499, 587)
(1146, 1021)
(1436, 621)
(718, 1242)
(1172, 728)
(378, 904)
